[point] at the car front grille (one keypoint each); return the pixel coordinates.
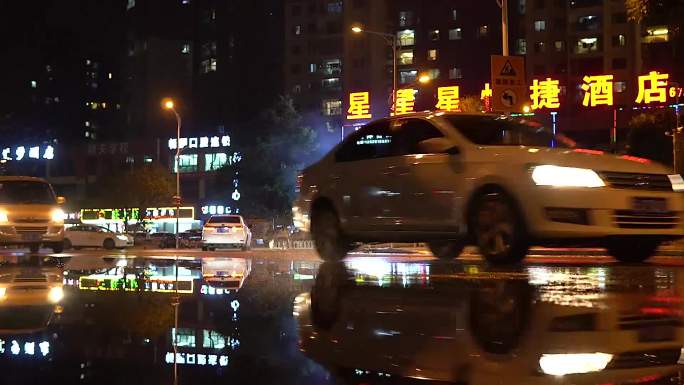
(30, 220)
(31, 229)
(641, 321)
(632, 219)
(646, 358)
(634, 181)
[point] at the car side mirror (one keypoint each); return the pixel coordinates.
(438, 146)
(61, 200)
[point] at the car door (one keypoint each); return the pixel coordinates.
(75, 235)
(363, 187)
(430, 184)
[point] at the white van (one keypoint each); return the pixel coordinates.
(30, 214)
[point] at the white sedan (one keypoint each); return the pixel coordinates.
(95, 236)
(502, 184)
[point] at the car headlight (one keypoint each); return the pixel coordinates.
(3, 292)
(677, 182)
(3, 216)
(122, 237)
(562, 364)
(557, 176)
(58, 216)
(56, 294)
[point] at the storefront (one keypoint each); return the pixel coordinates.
(160, 219)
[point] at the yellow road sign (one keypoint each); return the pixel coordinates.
(509, 88)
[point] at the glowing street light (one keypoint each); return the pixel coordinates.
(169, 105)
(526, 109)
(424, 79)
(391, 39)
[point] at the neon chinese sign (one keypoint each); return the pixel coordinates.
(200, 142)
(19, 153)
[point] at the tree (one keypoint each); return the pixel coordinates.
(268, 171)
(648, 136)
(150, 185)
(471, 104)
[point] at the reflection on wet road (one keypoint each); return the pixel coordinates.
(365, 321)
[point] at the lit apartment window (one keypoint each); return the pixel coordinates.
(540, 25)
(455, 34)
(130, 4)
(87, 123)
(332, 107)
(521, 46)
(186, 48)
(522, 6)
(433, 73)
(408, 76)
(406, 37)
(454, 14)
(297, 89)
(539, 47)
(432, 55)
(186, 337)
(405, 57)
(208, 65)
(619, 40)
(482, 31)
(34, 84)
(657, 34)
(185, 2)
(620, 87)
(331, 67)
(587, 45)
(330, 84)
(434, 35)
(559, 45)
(215, 161)
(405, 18)
(298, 30)
(313, 67)
(589, 23)
(209, 49)
(335, 7)
(186, 163)
(455, 73)
(130, 159)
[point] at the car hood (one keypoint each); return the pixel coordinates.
(581, 158)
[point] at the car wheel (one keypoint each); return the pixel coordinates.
(58, 247)
(108, 244)
(329, 240)
(331, 285)
(632, 249)
(498, 228)
(446, 249)
(67, 244)
(34, 248)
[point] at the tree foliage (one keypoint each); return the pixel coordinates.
(648, 136)
(471, 104)
(145, 186)
(268, 170)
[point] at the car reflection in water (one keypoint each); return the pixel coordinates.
(29, 298)
(373, 321)
(225, 273)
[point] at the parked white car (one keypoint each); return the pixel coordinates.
(503, 184)
(95, 236)
(222, 231)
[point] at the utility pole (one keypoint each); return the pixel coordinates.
(504, 25)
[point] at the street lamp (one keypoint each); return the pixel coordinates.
(391, 39)
(424, 79)
(169, 105)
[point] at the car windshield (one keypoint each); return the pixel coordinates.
(502, 131)
(224, 219)
(28, 192)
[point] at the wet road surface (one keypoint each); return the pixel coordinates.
(381, 319)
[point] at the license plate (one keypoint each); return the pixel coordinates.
(223, 230)
(31, 237)
(650, 205)
(657, 334)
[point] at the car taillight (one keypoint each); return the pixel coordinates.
(300, 180)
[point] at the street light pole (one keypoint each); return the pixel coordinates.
(178, 129)
(391, 39)
(504, 26)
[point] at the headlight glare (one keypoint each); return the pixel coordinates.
(56, 294)
(677, 182)
(557, 176)
(574, 363)
(3, 217)
(58, 216)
